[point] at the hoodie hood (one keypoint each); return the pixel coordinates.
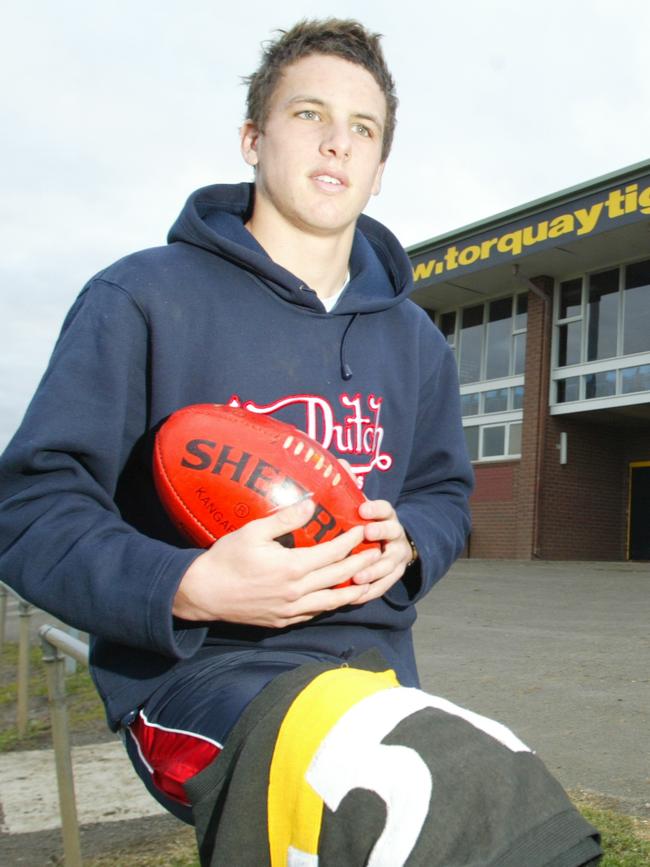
(380, 271)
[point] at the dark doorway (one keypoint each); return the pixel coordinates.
(639, 536)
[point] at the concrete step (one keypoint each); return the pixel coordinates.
(107, 789)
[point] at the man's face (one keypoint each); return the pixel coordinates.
(318, 160)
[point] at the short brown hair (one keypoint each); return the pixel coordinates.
(341, 37)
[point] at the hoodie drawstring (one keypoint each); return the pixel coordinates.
(346, 370)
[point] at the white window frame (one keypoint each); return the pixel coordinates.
(490, 419)
(476, 385)
(616, 363)
(502, 421)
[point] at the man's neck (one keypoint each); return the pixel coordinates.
(320, 261)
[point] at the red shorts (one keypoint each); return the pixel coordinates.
(171, 756)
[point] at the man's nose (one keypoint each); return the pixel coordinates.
(337, 141)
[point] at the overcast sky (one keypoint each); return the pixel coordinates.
(113, 112)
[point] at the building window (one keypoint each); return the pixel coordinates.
(495, 400)
(514, 442)
(636, 318)
(521, 312)
(490, 344)
(491, 401)
(448, 327)
(600, 384)
(494, 441)
(471, 344)
(471, 439)
(490, 338)
(570, 338)
(568, 389)
(499, 338)
(600, 321)
(617, 304)
(570, 322)
(469, 404)
(602, 328)
(634, 379)
(571, 299)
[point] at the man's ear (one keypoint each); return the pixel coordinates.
(376, 187)
(248, 139)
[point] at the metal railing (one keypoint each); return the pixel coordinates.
(4, 593)
(61, 653)
(25, 611)
(57, 646)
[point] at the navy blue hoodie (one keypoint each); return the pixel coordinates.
(210, 318)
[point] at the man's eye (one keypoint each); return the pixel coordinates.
(308, 114)
(362, 130)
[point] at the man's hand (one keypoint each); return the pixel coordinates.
(248, 577)
(385, 527)
(397, 552)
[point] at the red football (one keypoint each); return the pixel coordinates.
(217, 467)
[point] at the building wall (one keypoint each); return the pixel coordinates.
(538, 347)
(537, 507)
(494, 511)
(637, 446)
(581, 514)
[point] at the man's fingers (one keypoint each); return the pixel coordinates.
(377, 588)
(395, 556)
(376, 510)
(382, 531)
(283, 521)
(328, 599)
(294, 517)
(326, 553)
(309, 559)
(338, 572)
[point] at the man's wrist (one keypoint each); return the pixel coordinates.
(414, 550)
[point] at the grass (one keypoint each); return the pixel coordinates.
(86, 712)
(178, 851)
(626, 840)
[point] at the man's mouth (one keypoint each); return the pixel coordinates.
(330, 180)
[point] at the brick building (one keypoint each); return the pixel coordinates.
(547, 308)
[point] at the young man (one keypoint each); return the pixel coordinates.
(257, 698)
